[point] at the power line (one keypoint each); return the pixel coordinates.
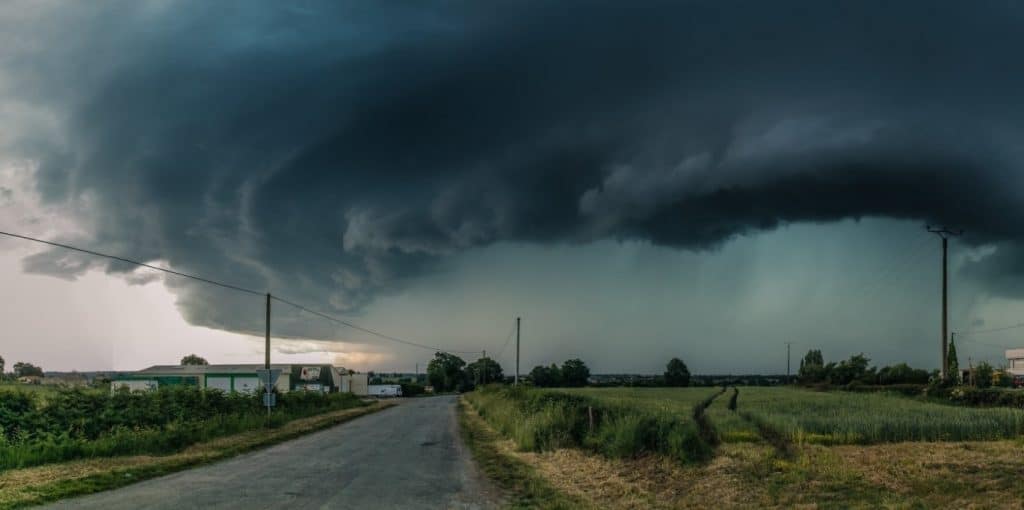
(983, 343)
(233, 287)
(143, 264)
(367, 330)
(993, 330)
(507, 340)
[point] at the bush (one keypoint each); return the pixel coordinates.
(76, 423)
(987, 397)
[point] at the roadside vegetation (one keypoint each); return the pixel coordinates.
(541, 420)
(71, 424)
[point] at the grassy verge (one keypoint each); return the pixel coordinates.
(523, 486)
(32, 486)
(545, 420)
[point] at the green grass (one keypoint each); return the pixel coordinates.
(804, 416)
(867, 418)
(523, 486)
(538, 420)
(679, 401)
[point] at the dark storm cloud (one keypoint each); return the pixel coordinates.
(334, 151)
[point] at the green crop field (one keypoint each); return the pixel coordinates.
(680, 401)
(805, 416)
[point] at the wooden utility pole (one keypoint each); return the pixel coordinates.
(516, 381)
(945, 234)
(787, 362)
(266, 359)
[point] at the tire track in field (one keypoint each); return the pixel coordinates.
(705, 428)
(780, 441)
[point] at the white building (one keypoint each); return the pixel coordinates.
(1015, 361)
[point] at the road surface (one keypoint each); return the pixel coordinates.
(408, 456)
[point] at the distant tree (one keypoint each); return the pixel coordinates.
(849, 370)
(192, 359)
(22, 369)
(983, 375)
(902, 373)
(676, 373)
(546, 377)
(575, 372)
(812, 367)
(484, 370)
(445, 372)
(2, 363)
(953, 365)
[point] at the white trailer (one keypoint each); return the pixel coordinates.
(384, 390)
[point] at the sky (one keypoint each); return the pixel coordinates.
(701, 179)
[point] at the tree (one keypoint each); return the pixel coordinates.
(22, 369)
(445, 372)
(546, 376)
(849, 370)
(2, 362)
(983, 375)
(676, 373)
(953, 365)
(484, 370)
(192, 359)
(901, 373)
(575, 372)
(812, 367)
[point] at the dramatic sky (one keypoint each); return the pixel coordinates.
(703, 179)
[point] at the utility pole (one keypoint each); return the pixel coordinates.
(945, 234)
(516, 382)
(787, 361)
(485, 366)
(266, 359)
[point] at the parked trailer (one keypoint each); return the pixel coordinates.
(384, 390)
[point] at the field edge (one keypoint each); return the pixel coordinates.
(522, 486)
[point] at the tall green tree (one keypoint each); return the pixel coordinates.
(484, 370)
(575, 372)
(2, 363)
(850, 370)
(445, 372)
(983, 375)
(812, 367)
(546, 377)
(952, 364)
(192, 359)
(677, 373)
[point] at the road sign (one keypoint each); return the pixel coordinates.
(268, 377)
(269, 400)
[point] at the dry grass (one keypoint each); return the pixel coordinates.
(23, 487)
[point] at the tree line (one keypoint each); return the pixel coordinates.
(20, 369)
(448, 372)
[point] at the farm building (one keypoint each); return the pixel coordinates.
(356, 384)
(1015, 361)
(231, 378)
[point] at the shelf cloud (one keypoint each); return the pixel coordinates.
(335, 151)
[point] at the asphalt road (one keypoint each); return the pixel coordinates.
(408, 456)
